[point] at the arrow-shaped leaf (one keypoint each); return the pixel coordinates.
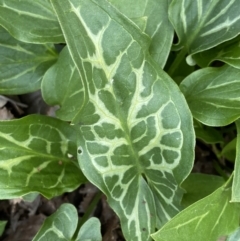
(136, 141)
(37, 154)
(30, 21)
(213, 95)
(22, 65)
(203, 24)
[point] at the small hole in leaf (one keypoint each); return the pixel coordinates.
(79, 151)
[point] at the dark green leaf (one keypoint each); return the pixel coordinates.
(38, 154)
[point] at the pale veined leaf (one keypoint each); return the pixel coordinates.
(203, 24)
(23, 65)
(30, 21)
(136, 133)
(38, 154)
(152, 18)
(213, 95)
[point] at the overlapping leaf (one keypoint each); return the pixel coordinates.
(152, 18)
(30, 21)
(37, 154)
(207, 219)
(228, 52)
(62, 226)
(213, 95)
(203, 24)
(62, 86)
(22, 65)
(236, 177)
(136, 141)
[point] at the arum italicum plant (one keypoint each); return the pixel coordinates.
(127, 99)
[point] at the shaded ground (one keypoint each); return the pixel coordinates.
(25, 219)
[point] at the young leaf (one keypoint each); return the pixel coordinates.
(203, 24)
(213, 95)
(22, 65)
(37, 154)
(62, 226)
(62, 86)
(137, 138)
(152, 18)
(198, 186)
(236, 177)
(90, 231)
(207, 219)
(30, 21)
(228, 52)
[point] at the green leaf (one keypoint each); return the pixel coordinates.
(203, 24)
(61, 86)
(227, 52)
(30, 21)
(2, 227)
(213, 95)
(151, 16)
(137, 139)
(59, 226)
(235, 236)
(22, 65)
(229, 151)
(207, 219)
(198, 186)
(236, 176)
(62, 226)
(90, 231)
(207, 134)
(38, 154)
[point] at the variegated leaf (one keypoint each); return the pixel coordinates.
(30, 21)
(228, 52)
(38, 154)
(208, 219)
(62, 86)
(63, 225)
(203, 24)
(137, 140)
(236, 177)
(213, 95)
(22, 65)
(151, 16)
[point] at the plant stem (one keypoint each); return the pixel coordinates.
(177, 61)
(90, 208)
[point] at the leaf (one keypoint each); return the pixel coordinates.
(227, 52)
(2, 227)
(61, 86)
(229, 151)
(151, 16)
(236, 176)
(22, 65)
(41, 157)
(206, 219)
(30, 21)
(90, 231)
(62, 226)
(198, 186)
(207, 134)
(213, 95)
(203, 24)
(235, 236)
(136, 133)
